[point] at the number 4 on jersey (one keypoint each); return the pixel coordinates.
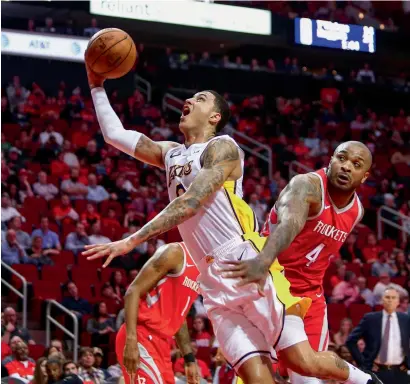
(314, 254)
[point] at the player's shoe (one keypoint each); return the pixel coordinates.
(375, 379)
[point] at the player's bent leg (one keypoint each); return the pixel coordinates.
(257, 370)
(316, 328)
(302, 359)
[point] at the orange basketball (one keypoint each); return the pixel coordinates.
(111, 53)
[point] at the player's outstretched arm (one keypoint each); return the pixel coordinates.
(220, 159)
(167, 259)
(184, 344)
(292, 207)
(133, 143)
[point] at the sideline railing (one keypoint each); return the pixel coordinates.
(261, 151)
(50, 319)
(295, 167)
(144, 86)
(22, 295)
(380, 220)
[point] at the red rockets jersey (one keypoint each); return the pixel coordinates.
(306, 259)
(165, 307)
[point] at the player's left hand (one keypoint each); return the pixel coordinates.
(192, 373)
(112, 250)
(248, 271)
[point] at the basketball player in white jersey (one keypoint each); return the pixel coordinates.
(204, 180)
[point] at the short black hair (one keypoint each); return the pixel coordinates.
(222, 107)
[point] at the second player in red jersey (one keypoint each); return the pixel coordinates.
(156, 305)
(308, 224)
(307, 258)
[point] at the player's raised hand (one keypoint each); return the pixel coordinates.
(192, 373)
(247, 271)
(94, 80)
(131, 359)
(110, 250)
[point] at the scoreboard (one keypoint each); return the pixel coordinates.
(347, 37)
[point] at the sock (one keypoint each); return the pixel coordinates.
(356, 376)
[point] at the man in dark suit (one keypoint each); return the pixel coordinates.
(387, 335)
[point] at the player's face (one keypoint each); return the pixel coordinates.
(199, 111)
(348, 168)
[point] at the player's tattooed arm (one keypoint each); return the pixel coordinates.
(219, 161)
(152, 152)
(292, 208)
(183, 340)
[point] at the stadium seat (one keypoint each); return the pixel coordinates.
(64, 258)
(372, 281)
(336, 313)
(84, 274)
(36, 351)
(357, 311)
(54, 273)
(355, 268)
(28, 271)
(106, 274)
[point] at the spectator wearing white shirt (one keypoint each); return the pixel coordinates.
(96, 237)
(7, 211)
(43, 189)
(69, 157)
(48, 133)
(96, 193)
(385, 283)
(366, 74)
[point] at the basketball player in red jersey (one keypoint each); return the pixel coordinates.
(308, 224)
(156, 304)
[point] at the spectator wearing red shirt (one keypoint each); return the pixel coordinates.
(111, 220)
(81, 137)
(90, 216)
(371, 249)
(18, 365)
(59, 167)
(64, 212)
(179, 366)
(200, 336)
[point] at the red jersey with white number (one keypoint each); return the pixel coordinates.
(164, 308)
(306, 259)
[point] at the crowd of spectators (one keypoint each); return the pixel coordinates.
(64, 188)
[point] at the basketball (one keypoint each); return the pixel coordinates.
(111, 53)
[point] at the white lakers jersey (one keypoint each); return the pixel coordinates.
(224, 215)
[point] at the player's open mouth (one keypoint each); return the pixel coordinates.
(343, 178)
(186, 110)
